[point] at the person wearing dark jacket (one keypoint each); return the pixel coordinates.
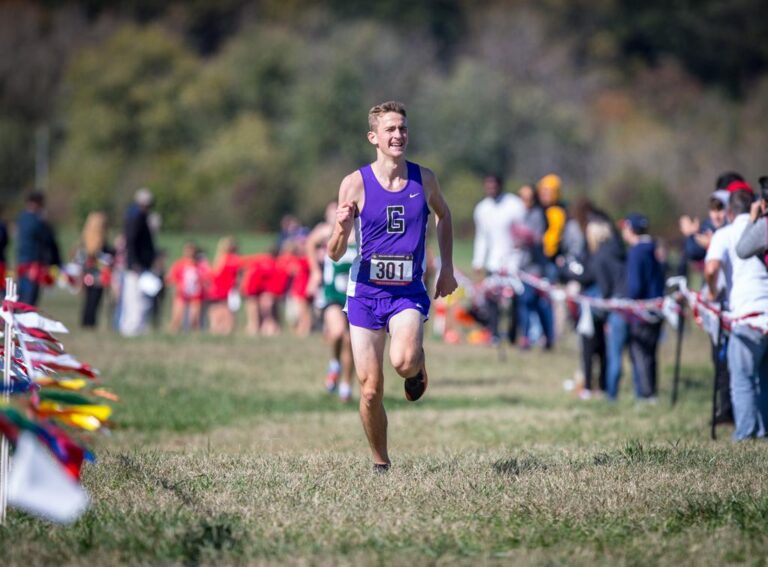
(140, 255)
(608, 270)
(645, 280)
(609, 265)
(592, 228)
(31, 244)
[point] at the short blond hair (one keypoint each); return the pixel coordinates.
(390, 106)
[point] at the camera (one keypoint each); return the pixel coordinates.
(763, 181)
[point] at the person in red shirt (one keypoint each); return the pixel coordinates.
(187, 275)
(263, 282)
(223, 279)
(296, 263)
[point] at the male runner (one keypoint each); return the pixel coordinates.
(388, 202)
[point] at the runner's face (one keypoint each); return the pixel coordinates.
(391, 135)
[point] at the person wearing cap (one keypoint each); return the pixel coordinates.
(644, 280)
(140, 255)
(698, 239)
(548, 191)
(754, 239)
(747, 293)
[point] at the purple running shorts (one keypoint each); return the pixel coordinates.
(375, 314)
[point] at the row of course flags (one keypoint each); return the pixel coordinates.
(50, 408)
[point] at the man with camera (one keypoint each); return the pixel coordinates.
(754, 240)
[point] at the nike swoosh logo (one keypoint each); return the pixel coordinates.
(412, 195)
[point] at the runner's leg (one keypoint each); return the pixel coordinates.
(368, 354)
(406, 345)
(334, 325)
(347, 367)
(337, 329)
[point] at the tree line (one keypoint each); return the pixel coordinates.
(235, 112)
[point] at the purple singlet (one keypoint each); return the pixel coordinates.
(391, 233)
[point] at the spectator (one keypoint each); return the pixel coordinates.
(140, 256)
(31, 240)
(598, 257)
(548, 190)
(223, 282)
(754, 239)
(496, 251)
(699, 233)
(290, 228)
(532, 304)
(747, 349)
(609, 265)
(645, 280)
(698, 237)
(187, 275)
(96, 259)
(264, 282)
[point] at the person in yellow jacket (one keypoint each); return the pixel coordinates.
(548, 189)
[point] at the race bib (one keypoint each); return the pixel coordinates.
(391, 270)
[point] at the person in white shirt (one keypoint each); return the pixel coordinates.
(496, 250)
(748, 293)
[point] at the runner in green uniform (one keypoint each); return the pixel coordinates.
(329, 279)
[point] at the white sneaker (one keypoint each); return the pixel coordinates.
(345, 392)
(585, 394)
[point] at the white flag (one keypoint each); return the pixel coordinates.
(40, 485)
(37, 321)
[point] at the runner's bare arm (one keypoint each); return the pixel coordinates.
(446, 280)
(350, 204)
(318, 236)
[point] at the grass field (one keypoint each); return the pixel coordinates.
(228, 451)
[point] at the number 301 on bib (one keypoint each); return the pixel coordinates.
(391, 270)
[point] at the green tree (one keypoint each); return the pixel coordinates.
(121, 111)
(236, 179)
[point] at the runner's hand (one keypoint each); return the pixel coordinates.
(345, 214)
(446, 284)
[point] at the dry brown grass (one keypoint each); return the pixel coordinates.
(230, 453)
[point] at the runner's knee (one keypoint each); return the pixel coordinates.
(407, 361)
(370, 393)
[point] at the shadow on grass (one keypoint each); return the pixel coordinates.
(189, 410)
(464, 382)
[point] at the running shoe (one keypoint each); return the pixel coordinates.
(331, 380)
(416, 385)
(381, 468)
(345, 392)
